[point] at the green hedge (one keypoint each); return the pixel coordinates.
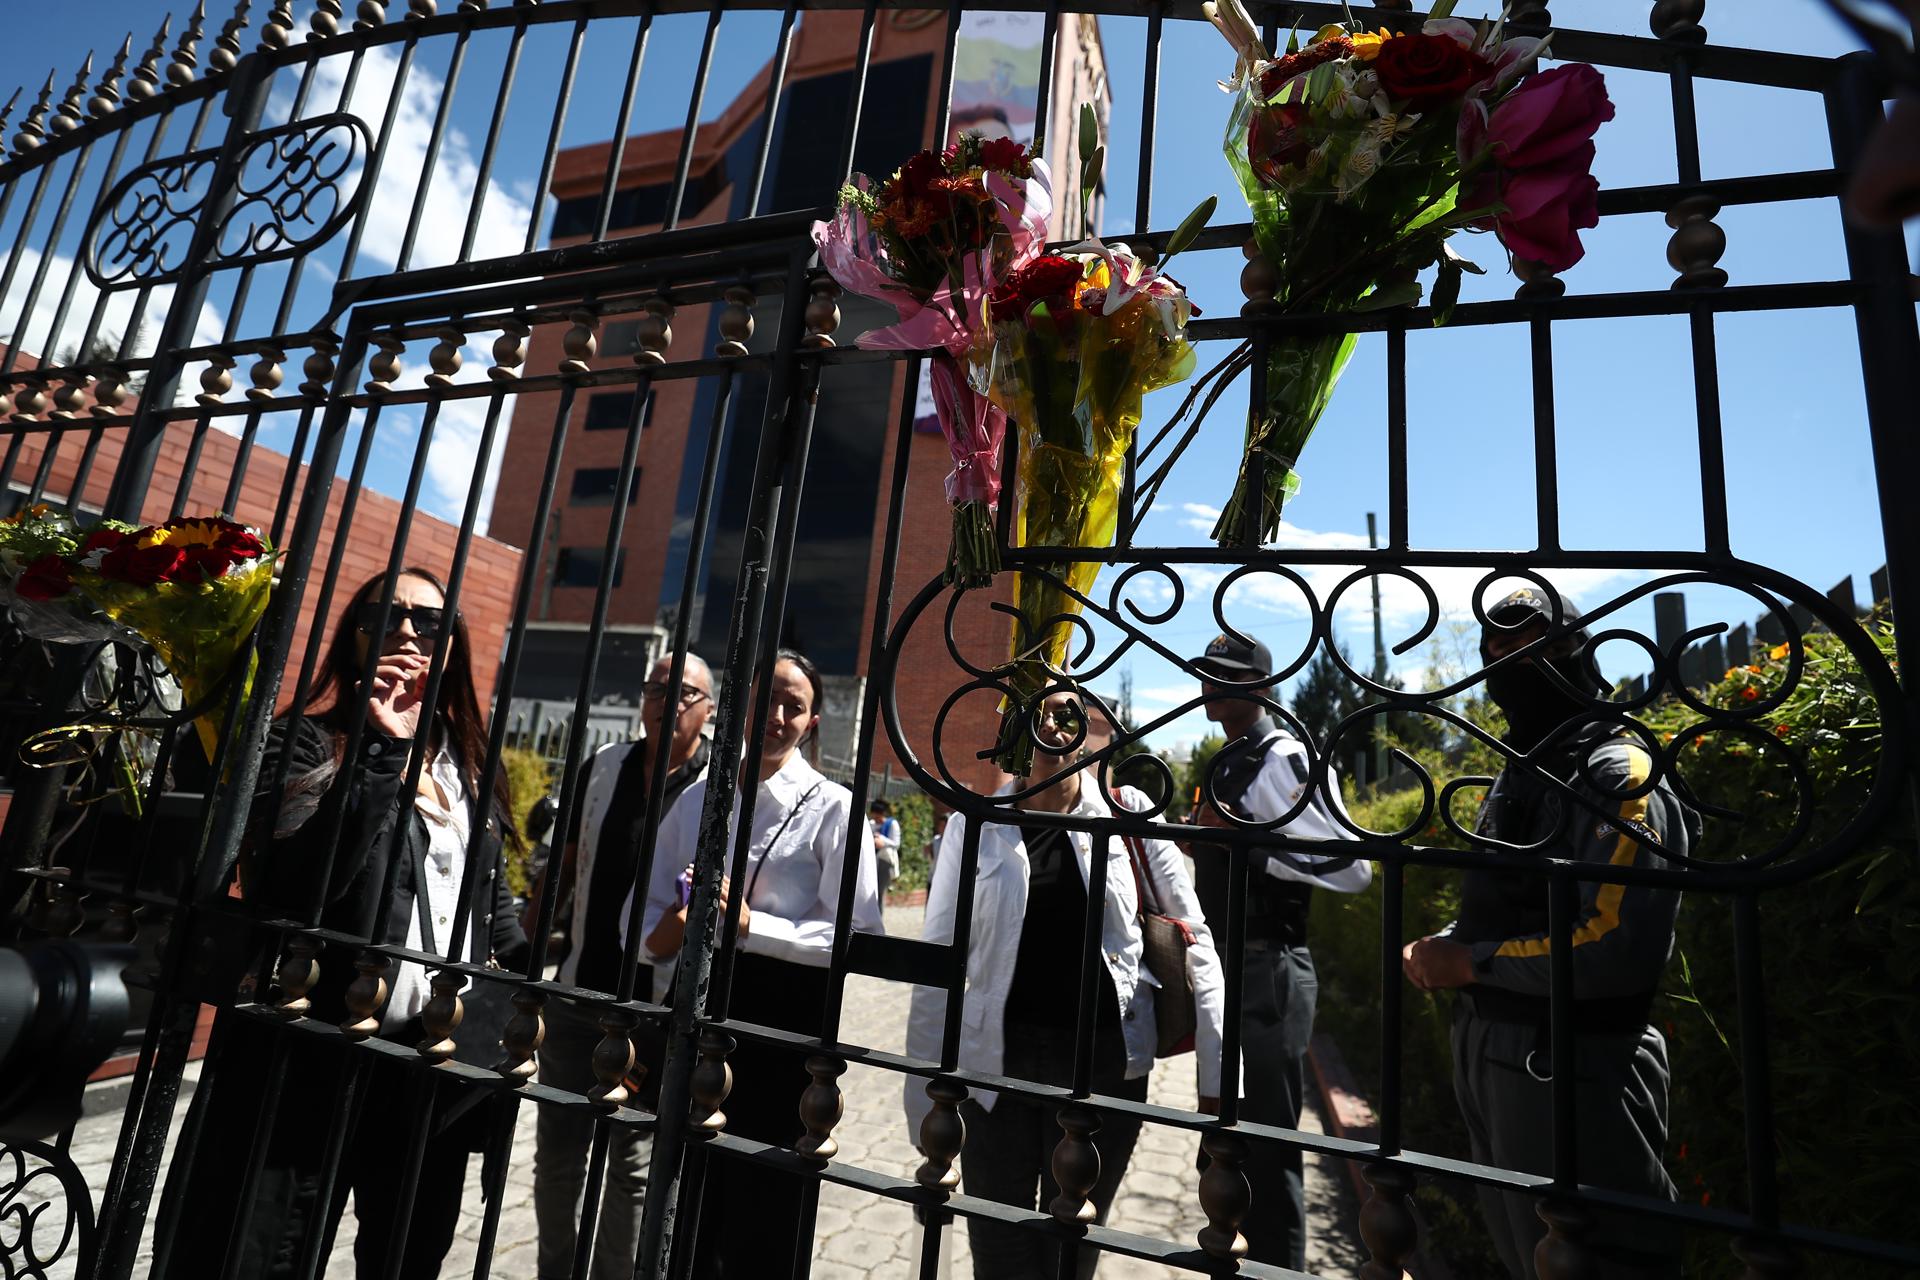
(915, 812)
(528, 778)
(1842, 982)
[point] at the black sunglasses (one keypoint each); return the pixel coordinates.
(429, 622)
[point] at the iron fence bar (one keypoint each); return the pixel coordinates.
(431, 161)
(857, 830)
(776, 85)
(242, 459)
(1546, 468)
(76, 494)
(856, 100)
(573, 784)
(1713, 463)
(1393, 881)
(188, 467)
(1755, 1073)
(622, 124)
(562, 99)
(296, 270)
(316, 637)
(1563, 1052)
(376, 158)
(1149, 116)
(1086, 1004)
(1890, 366)
(424, 1105)
(484, 178)
(1043, 98)
(49, 452)
(676, 676)
(59, 322)
(961, 946)
(950, 49)
(1398, 534)
(167, 1229)
(32, 215)
(695, 970)
(690, 136)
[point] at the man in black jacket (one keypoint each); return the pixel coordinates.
(604, 854)
(1577, 791)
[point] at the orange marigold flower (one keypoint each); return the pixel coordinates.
(1753, 668)
(1779, 651)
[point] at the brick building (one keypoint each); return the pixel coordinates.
(845, 498)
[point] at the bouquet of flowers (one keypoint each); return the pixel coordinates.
(1360, 154)
(932, 241)
(1079, 338)
(192, 590)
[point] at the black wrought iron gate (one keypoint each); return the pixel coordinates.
(170, 184)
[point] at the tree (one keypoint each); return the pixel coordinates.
(1325, 696)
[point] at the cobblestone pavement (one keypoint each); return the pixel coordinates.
(858, 1235)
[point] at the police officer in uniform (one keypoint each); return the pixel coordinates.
(1259, 775)
(1574, 800)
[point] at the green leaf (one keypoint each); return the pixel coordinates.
(1089, 132)
(1465, 264)
(1190, 228)
(1293, 40)
(1446, 291)
(1403, 294)
(1441, 9)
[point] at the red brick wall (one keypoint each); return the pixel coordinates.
(493, 567)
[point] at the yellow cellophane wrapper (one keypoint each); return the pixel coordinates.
(1075, 389)
(199, 630)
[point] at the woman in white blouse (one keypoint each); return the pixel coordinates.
(796, 856)
(1023, 968)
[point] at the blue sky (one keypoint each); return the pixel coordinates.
(1799, 465)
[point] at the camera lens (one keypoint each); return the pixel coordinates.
(63, 1007)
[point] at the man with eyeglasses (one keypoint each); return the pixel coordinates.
(1260, 775)
(603, 852)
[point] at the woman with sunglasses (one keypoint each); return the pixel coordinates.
(402, 1113)
(796, 855)
(1023, 964)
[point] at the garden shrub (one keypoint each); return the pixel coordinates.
(1842, 979)
(529, 777)
(915, 812)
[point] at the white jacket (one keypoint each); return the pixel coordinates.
(999, 911)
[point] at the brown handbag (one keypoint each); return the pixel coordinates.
(1165, 943)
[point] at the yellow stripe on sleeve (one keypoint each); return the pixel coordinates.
(1606, 903)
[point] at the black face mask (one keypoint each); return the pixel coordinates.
(1534, 705)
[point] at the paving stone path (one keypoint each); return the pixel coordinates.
(859, 1235)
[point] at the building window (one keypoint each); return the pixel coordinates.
(580, 566)
(594, 486)
(611, 410)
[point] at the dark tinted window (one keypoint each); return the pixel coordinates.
(580, 567)
(610, 410)
(594, 486)
(813, 121)
(638, 206)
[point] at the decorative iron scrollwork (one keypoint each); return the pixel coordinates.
(46, 1211)
(295, 186)
(1146, 594)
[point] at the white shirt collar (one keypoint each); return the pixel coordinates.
(1091, 803)
(793, 780)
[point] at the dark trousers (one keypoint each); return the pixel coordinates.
(563, 1138)
(1620, 1105)
(204, 1197)
(749, 1213)
(1009, 1152)
(1278, 991)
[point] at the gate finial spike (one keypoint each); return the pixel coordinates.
(71, 113)
(33, 129)
(106, 95)
(185, 59)
(278, 31)
(226, 46)
(146, 76)
(6, 114)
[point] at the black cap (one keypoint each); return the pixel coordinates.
(1530, 600)
(1234, 659)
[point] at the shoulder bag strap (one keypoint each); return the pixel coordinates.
(779, 831)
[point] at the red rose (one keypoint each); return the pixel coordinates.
(100, 539)
(1547, 208)
(1042, 280)
(1277, 138)
(47, 578)
(141, 566)
(1428, 71)
(1005, 156)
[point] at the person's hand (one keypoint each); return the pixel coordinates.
(1435, 964)
(1209, 1106)
(726, 894)
(399, 682)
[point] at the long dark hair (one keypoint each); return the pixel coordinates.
(812, 741)
(457, 714)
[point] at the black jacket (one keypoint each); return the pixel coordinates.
(289, 867)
